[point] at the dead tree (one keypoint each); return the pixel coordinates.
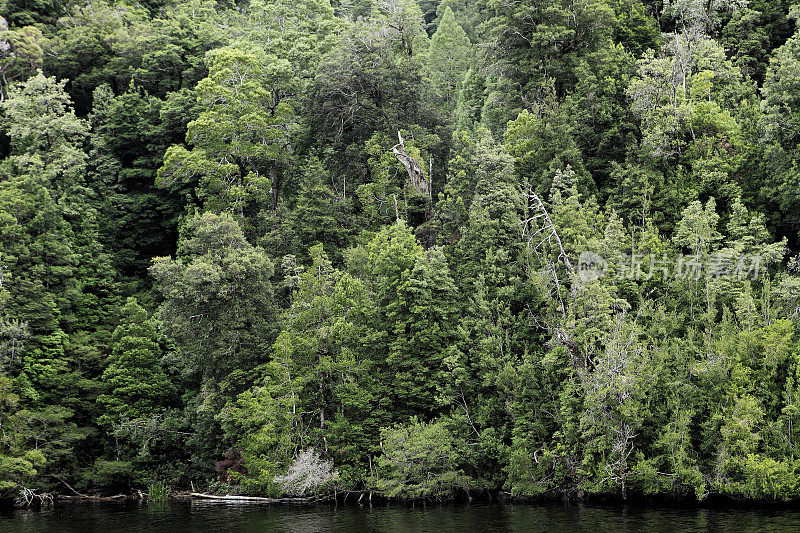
(542, 239)
(416, 176)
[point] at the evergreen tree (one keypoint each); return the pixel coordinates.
(447, 60)
(542, 144)
(470, 101)
(318, 389)
(423, 317)
(781, 123)
(138, 221)
(217, 302)
(134, 382)
(318, 215)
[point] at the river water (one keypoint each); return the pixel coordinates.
(220, 517)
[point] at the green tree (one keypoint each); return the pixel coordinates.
(44, 131)
(544, 41)
(318, 214)
(134, 382)
(20, 54)
(447, 60)
(217, 303)
(691, 119)
(19, 466)
(129, 135)
(243, 134)
(470, 101)
(418, 462)
(89, 47)
(542, 145)
(781, 124)
(318, 389)
(423, 320)
(368, 83)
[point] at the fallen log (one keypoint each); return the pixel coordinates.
(248, 499)
(84, 497)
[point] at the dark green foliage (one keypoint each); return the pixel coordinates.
(217, 301)
(537, 43)
(319, 216)
(134, 383)
(576, 273)
(129, 136)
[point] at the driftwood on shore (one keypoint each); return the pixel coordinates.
(248, 499)
(84, 497)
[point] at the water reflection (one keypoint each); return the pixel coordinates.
(214, 517)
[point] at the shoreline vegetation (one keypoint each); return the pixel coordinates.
(370, 498)
(400, 250)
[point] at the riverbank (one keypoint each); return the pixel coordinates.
(205, 516)
(370, 498)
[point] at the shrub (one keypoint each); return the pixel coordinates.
(308, 474)
(418, 462)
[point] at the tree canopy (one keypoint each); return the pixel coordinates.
(406, 247)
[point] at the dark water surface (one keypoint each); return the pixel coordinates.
(216, 518)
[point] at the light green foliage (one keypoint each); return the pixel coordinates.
(316, 389)
(242, 134)
(158, 492)
(307, 31)
(423, 316)
(447, 59)
(418, 462)
(58, 284)
(134, 383)
(697, 229)
(688, 99)
(469, 16)
(389, 255)
(456, 196)
(45, 132)
(490, 238)
(470, 101)
(18, 466)
(20, 54)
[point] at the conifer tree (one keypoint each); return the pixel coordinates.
(318, 214)
(447, 60)
(134, 382)
(471, 97)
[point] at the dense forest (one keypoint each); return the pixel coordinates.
(422, 249)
